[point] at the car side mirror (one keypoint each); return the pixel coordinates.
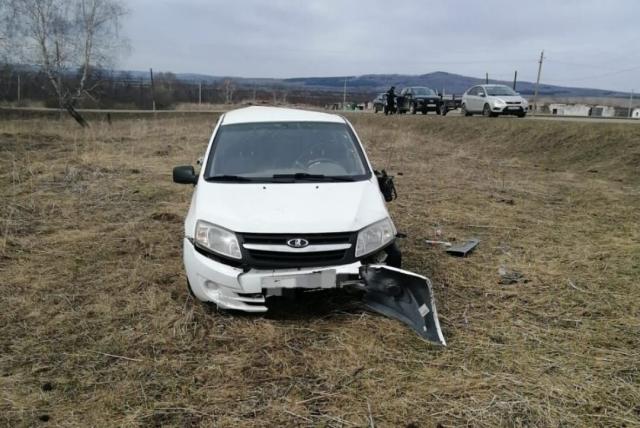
(185, 175)
(387, 187)
(481, 95)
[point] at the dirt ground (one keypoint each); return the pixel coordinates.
(98, 328)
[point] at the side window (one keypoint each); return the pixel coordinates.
(472, 91)
(404, 91)
(480, 91)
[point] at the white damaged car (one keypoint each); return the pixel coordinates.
(287, 199)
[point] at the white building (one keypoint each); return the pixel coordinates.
(569, 109)
(635, 113)
(603, 111)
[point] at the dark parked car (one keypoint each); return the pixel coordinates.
(418, 98)
(380, 102)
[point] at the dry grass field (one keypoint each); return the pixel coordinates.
(98, 328)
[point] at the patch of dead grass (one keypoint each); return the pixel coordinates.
(95, 302)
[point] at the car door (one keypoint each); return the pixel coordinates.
(469, 99)
(481, 99)
(405, 96)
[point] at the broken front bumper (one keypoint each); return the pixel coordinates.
(393, 292)
(233, 288)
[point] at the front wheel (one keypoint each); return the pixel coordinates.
(523, 114)
(486, 111)
(464, 111)
(438, 110)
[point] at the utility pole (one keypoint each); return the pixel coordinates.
(200, 92)
(515, 79)
(486, 78)
(631, 103)
(19, 90)
(153, 97)
(344, 95)
(535, 94)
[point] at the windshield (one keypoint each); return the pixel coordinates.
(286, 151)
(500, 90)
(423, 91)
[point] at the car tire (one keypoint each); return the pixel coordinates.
(375, 109)
(464, 111)
(486, 111)
(522, 114)
(438, 110)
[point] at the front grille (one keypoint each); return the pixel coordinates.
(281, 239)
(262, 259)
(275, 259)
(513, 102)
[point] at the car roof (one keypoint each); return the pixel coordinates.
(256, 114)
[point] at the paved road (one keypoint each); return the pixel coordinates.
(456, 113)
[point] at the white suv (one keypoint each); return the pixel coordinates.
(493, 100)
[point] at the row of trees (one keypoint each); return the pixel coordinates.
(64, 46)
(127, 90)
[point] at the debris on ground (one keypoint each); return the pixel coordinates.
(503, 200)
(454, 249)
(508, 277)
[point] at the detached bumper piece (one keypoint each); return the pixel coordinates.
(404, 296)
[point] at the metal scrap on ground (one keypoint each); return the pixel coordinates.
(459, 250)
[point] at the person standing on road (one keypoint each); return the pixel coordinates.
(391, 101)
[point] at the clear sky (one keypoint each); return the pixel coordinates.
(587, 43)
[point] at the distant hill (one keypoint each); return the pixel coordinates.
(439, 80)
(373, 83)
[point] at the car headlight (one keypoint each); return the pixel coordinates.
(375, 236)
(499, 102)
(217, 239)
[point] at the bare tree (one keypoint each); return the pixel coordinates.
(229, 88)
(63, 36)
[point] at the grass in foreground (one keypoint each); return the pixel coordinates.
(98, 328)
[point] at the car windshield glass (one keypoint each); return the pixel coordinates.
(500, 90)
(423, 91)
(290, 151)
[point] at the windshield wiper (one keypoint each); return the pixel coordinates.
(311, 177)
(233, 178)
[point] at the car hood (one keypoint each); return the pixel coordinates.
(516, 98)
(288, 207)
